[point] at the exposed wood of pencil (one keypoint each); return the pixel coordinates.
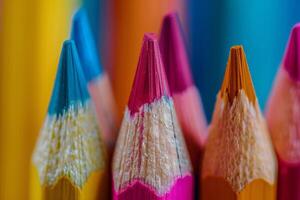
(237, 76)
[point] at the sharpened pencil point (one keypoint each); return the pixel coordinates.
(69, 160)
(291, 61)
(82, 35)
(150, 81)
(173, 50)
(70, 86)
(237, 76)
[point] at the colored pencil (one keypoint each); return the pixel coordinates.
(283, 117)
(98, 80)
(185, 95)
(130, 22)
(69, 161)
(30, 37)
(151, 160)
(239, 162)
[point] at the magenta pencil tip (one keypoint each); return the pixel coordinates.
(170, 16)
(150, 81)
(291, 61)
(150, 37)
(173, 50)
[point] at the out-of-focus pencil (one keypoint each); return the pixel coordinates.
(98, 80)
(239, 162)
(151, 160)
(26, 76)
(186, 97)
(69, 161)
(283, 116)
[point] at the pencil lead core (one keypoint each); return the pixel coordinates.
(150, 80)
(70, 86)
(237, 76)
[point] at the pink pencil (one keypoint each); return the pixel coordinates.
(151, 160)
(186, 97)
(283, 116)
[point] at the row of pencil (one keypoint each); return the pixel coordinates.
(164, 148)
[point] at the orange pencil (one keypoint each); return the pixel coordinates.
(239, 162)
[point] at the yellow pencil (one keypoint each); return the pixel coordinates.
(30, 34)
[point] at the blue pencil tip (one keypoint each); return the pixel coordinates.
(70, 88)
(82, 35)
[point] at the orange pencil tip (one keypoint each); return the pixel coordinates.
(237, 76)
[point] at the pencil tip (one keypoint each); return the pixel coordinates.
(173, 50)
(150, 79)
(82, 35)
(291, 61)
(237, 76)
(70, 86)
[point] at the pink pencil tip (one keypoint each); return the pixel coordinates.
(150, 81)
(174, 54)
(171, 16)
(291, 61)
(150, 37)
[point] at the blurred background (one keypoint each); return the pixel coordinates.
(32, 32)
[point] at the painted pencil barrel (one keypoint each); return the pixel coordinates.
(288, 180)
(30, 37)
(65, 190)
(218, 188)
(181, 190)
